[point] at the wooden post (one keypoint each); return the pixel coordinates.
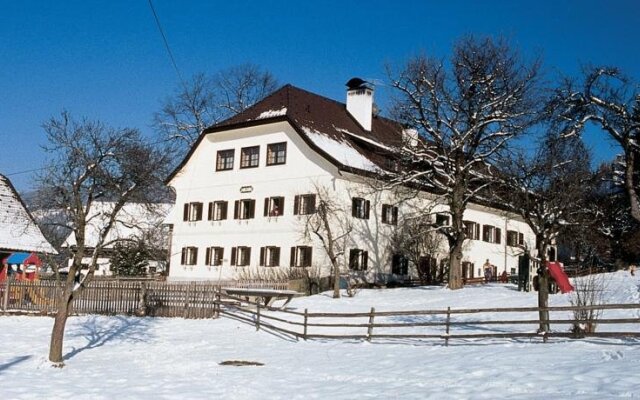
(306, 318)
(216, 306)
(258, 314)
(370, 328)
(5, 301)
(186, 302)
(446, 339)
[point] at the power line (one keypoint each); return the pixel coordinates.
(166, 43)
(25, 172)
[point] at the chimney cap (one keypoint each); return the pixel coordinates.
(357, 83)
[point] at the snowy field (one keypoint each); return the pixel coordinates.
(161, 358)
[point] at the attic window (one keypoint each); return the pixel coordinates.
(224, 161)
(249, 157)
(276, 153)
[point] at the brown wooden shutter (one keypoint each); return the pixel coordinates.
(520, 239)
(365, 260)
(281, 209)
(248, 254)
(252, 209)
(498, 235)
(223, 209)
(262, 251)
(292, 260)
(210, 212)
(312, 204)
(367, 204)
(183, 260)
(207, 257)
(309, 251)
(198, 211)
(234, 252)
(236, 209)
(185, 214)
(296, 204)
(395, 215)
(266, 206)
(354, 205)
(276, 256)
(195, 255)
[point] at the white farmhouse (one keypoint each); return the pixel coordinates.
(244, 191)
(134, 222)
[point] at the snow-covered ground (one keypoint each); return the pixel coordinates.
(161, 358)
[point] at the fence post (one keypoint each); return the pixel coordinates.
(187, 296)
(258, 314)
(446, 339)
(5, 301)
(216, 306)
(370, 328)
(306, 318)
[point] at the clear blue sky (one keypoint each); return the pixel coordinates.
(106, 59)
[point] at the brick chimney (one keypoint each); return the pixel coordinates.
(360, 101)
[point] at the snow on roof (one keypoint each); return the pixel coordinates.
(18, 231)
(133, 220)
(341, 151)
(365, 139)
(272, 113)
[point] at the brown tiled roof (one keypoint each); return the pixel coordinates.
(309, 111)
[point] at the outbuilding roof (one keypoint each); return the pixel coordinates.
(18, 230)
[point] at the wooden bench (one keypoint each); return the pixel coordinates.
(266, 296)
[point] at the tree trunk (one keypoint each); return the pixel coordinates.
(543, 299)
(630, 184)
(455, 265)
(57, 333)
(543, 285)
(456, 238)
(336, 280)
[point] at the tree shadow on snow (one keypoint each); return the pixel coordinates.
(11, 363)
(100, 330)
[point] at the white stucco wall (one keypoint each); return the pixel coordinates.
(304, 172)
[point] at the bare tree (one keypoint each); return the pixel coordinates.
(206, 100)
(330, 223)
(549, 190)
(465, 113)
(418, 239)
(611, 101)
(90, 161)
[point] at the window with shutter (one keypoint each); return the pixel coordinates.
(192, 211)
(273, 206)
(360, 208)
(389, 214)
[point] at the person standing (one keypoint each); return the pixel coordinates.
(488, 271)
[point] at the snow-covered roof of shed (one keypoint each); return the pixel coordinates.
(18, 231)
(326, 124)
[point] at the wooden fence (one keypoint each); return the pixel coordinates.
(617, 320)
(166, 299)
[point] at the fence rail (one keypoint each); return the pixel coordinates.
(154, 298)
(443, 324)
(207, 300)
